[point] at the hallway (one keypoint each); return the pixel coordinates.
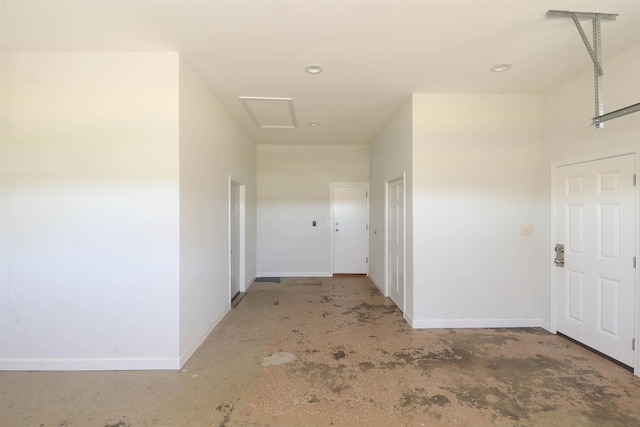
(334, 351)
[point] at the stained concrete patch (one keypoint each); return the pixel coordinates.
(225, 409)
(321, 372)
(338, 388)
(306, 281)
(365, 366)
(494, 399)
(279, 359)
(339, 355)
(417, 397)
(368, 313)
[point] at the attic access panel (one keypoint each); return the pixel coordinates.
(270, 113)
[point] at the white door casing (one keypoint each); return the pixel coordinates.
(350, 228)
(395, 242)
(596, 222)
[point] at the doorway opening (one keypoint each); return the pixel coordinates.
(236, 239)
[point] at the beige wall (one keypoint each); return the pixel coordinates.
(212, 148)
(89, 211)
(293, 191)
(476, 161)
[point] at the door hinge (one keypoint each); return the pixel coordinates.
(634, 262)
(634, 179)
(633, 344)
(367, 260)
(367, 227)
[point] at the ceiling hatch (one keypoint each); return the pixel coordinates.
(270, 113)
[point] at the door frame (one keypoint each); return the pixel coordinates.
(241, 232)
(332, 187)
(404, 240)
(553, 230)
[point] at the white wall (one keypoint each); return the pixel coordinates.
(390, 159)
(476, 161)
(89, 210)
(212, 147)
(294, 190)
(567, 110)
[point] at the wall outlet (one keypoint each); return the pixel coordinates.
(526, 229)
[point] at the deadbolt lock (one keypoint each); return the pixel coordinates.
(559, 261)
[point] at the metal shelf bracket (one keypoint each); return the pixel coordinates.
(595, 52)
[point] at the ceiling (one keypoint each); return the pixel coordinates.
(374, 53)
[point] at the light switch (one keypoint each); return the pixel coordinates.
(526, 229)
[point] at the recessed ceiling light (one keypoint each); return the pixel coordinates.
(313, 124)
(500, 68)
(314, 68)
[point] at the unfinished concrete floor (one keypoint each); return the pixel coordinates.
(335, 352)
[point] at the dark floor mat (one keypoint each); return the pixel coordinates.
(268, 279)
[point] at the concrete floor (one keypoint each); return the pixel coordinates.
(334, 352)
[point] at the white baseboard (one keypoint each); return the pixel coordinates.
(112, 364)
(296, 274)
(184, 357)
(546, 325)
(378, 285)
(407, 317)
(474, 323)
(249, 283)
(132, 364)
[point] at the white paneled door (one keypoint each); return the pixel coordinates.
(395, 242)
(596, 223)
(350, 229)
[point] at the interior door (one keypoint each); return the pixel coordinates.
(395, 242)
(234, 239)
(596, 223)
(350, 213)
